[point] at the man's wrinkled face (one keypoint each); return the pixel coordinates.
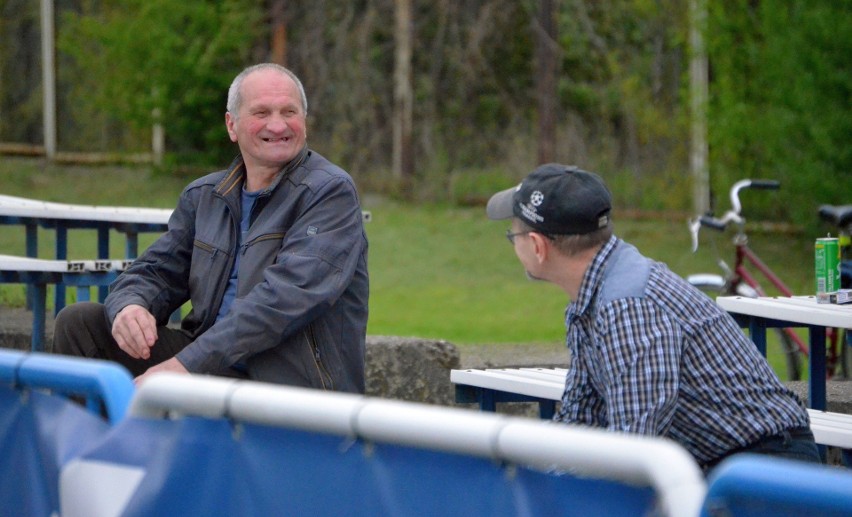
(270, 124)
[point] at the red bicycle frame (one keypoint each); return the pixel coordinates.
(744, 255)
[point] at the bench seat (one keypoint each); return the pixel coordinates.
(547, 384)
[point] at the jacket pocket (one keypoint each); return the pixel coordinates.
(320, 372)
(257, 255)
(210, 265)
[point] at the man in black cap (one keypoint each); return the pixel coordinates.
(649, 354)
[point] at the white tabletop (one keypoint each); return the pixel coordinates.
(19, 264)
(23, 207)
(797, 309)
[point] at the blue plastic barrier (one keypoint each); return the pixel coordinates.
(101, 383)
(41, 431)
(753, 485)
(198, 466)
(215, 447)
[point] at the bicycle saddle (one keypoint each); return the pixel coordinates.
(837, 215)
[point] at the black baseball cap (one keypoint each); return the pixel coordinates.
(556, 199)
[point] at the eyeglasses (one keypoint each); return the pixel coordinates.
(511, 236)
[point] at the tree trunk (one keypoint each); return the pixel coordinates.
(278, 29)
(698, 79)
(545, 50)
(403, 159)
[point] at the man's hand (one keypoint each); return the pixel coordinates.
(135, 331)
(171, 365)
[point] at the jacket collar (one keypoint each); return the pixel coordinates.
(236, 172)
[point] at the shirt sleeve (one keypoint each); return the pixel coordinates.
(639, 349)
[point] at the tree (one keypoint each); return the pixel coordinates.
(546, 75)
(172, 58)
(403, 162)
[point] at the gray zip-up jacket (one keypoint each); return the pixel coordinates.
(300, 312)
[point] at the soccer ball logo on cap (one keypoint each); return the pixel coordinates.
(536, 198)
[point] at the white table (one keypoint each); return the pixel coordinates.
(38, 273)
(758, 314)
(32, 213)
(545, 386)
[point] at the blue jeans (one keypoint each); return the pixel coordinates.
(794, 444)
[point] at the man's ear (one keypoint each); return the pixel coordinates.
(541, 246)
(229, 125)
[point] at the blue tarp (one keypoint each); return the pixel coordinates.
(39, 434)
(212, 467)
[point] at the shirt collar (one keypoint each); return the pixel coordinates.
(592, 278)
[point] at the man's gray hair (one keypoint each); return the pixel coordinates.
(575, 244)
(235, 96)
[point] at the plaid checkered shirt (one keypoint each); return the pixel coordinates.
(652, 355)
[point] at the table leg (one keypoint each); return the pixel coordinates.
(546, 409)
(757, 331)
(103, 253)
(487, 402)
(61, 254)
(83, 294)
(131, 245)
(32, 252)
(39, 302)
(817, 371)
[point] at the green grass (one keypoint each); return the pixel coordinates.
(436, 271)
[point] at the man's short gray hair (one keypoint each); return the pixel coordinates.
(235, 97)
(575, 244)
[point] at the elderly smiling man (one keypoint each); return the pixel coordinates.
(271, 252)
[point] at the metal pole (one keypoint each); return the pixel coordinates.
(48, 78)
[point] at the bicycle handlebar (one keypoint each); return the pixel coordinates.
(712, 222)
(765, 184)
(732, 215)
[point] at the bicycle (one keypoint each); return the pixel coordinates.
(840, 217)
(739, 280)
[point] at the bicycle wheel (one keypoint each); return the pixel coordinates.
(715, 285)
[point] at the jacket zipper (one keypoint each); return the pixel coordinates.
(268, 236)
(321, 370)
(206, 247)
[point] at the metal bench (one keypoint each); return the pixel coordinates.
(38, 273)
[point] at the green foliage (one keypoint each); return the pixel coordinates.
(151, 60)
(779, 105)
(20, 98)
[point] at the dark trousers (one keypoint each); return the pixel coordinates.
(795, 444)
(82, 329)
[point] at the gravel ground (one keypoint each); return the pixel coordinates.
(16, 328)
(502, 355)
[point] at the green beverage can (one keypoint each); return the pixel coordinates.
(827, 265)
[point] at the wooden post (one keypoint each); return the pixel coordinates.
(699, 92)
(158, 139)
(48, 78)
(546, 71)
(278, 44)
(403, 156)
